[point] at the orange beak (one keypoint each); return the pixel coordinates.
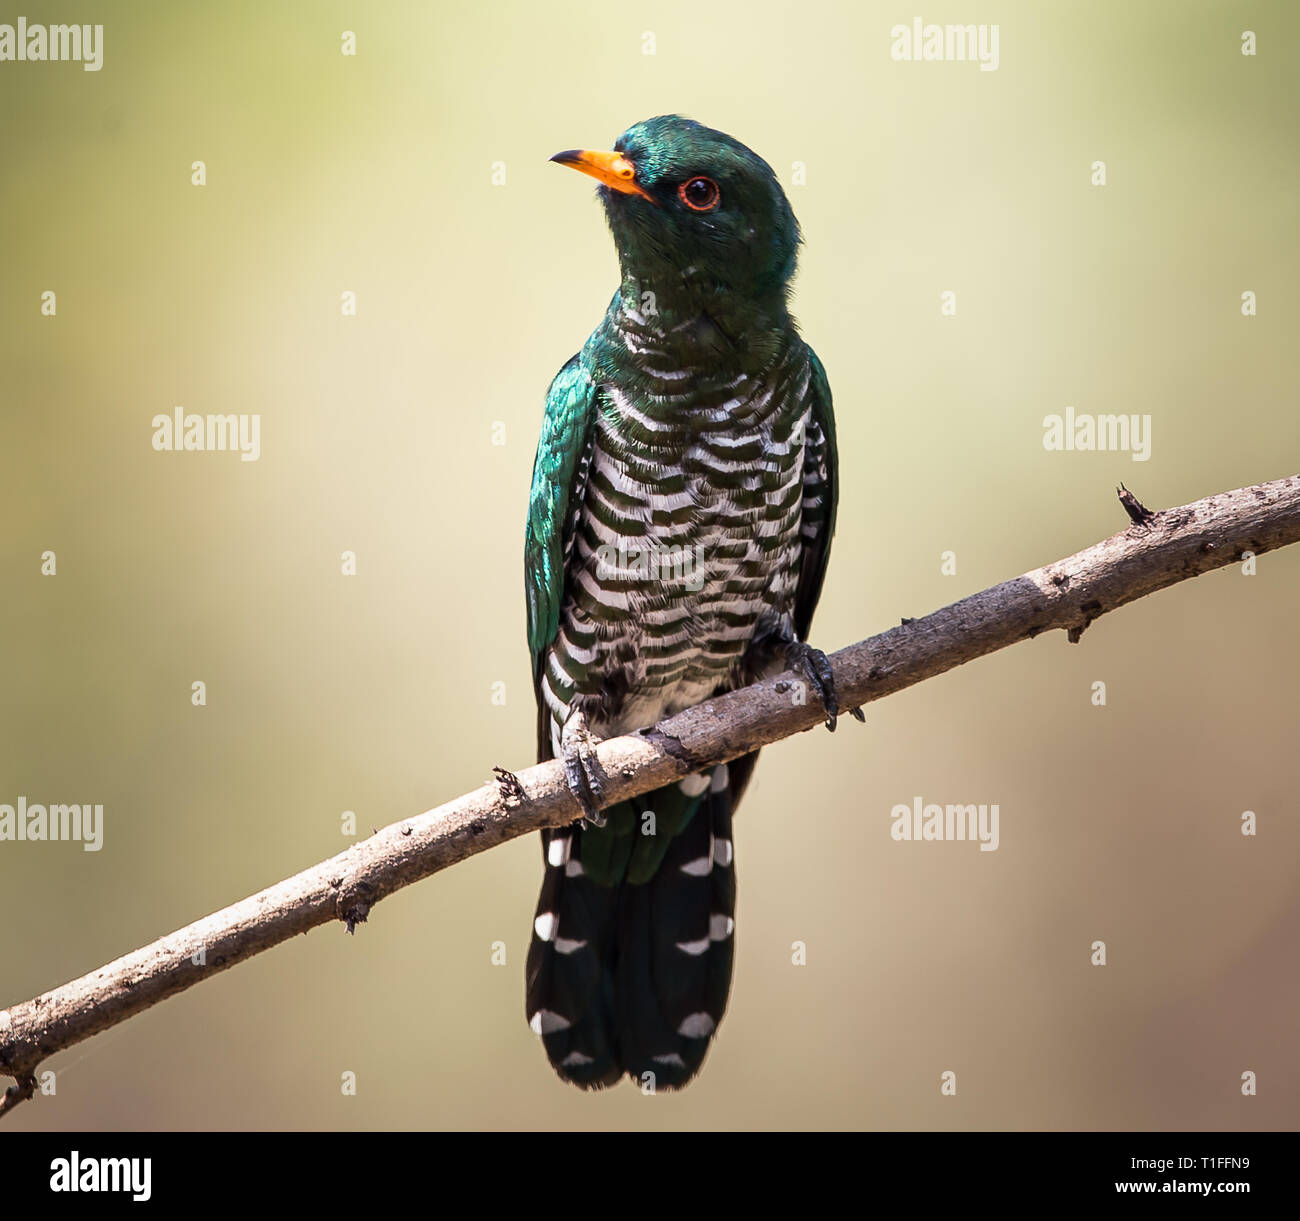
(612, 169)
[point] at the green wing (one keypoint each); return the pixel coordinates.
(559, 477)
(821, 495)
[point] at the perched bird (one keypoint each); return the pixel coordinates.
(679, 522)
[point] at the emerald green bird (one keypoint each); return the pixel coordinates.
(680, 518)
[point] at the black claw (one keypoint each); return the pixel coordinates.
(592, 809)
(582, 772)
(858, 715)
(580, 786)
(815, 664)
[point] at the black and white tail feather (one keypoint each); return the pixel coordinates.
(633, 978)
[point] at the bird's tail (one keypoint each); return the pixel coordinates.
(630, 962)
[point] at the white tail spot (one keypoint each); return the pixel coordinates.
(694, 948)
(545, 1021)
(546, 924)
(720, 927)
(564, 946)
(695, 1026)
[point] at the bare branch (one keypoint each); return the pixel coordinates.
(1158, 550)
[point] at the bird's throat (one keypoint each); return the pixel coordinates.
(690, 321)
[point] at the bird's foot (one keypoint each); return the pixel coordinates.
(815, 664)
(582, 770)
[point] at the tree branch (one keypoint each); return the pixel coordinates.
(1156, 551)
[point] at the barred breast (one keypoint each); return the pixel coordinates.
(685, 544)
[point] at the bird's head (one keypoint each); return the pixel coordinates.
(692, 208)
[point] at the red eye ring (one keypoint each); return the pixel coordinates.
(699, 193)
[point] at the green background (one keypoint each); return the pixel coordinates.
(374, 174)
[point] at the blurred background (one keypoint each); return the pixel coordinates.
(414, 174)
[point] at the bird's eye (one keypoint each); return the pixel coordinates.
(700, 194)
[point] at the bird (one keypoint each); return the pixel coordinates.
(680, 515)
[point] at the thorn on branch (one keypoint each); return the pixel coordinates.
(354, 905)
(23, 1088)
(512, 792)
(1138, 513)
(354, 916)
(1091, 611)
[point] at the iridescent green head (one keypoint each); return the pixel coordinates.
(691, 207)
